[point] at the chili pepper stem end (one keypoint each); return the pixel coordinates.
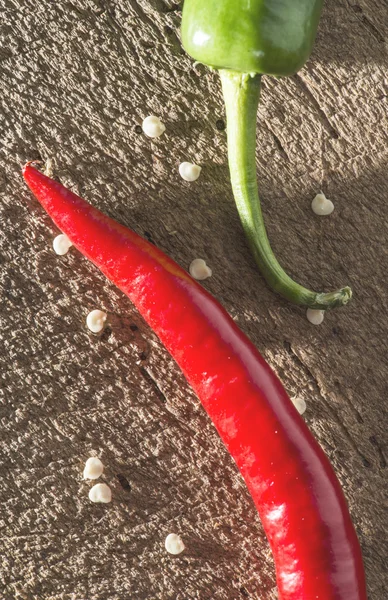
(241, 95)
(33, 162)
(332, 299)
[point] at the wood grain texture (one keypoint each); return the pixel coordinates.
(77, 78)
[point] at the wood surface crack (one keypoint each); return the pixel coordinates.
(367, 23)
(383, 462)
(153, 383)
(277, 142)
(321, 113)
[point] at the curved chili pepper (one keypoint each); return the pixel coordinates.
(292, 483)
(244, 40)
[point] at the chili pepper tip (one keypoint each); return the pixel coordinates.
(31, 163)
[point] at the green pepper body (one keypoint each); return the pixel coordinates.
(245, 39)
(273, 37)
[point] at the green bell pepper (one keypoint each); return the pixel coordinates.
(245, 39)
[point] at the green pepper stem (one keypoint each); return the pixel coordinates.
(241, 95)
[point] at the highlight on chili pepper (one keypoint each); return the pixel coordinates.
(245, 41)
(298, 496)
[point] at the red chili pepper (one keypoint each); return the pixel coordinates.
(292, 483)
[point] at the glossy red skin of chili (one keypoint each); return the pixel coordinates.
(299, 499)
